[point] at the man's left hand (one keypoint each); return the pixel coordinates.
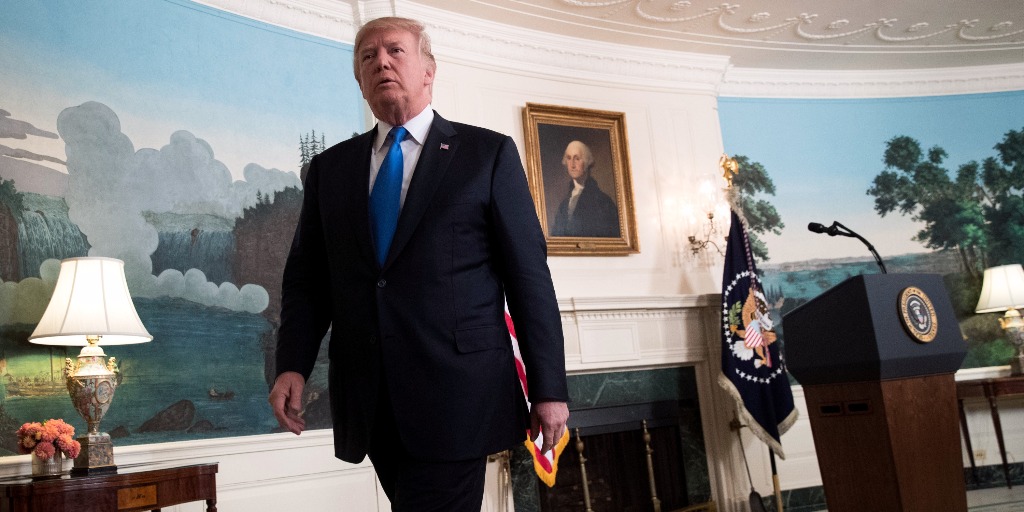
(549, 418)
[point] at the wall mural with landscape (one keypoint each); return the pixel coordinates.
(171, 136)
(934, 183)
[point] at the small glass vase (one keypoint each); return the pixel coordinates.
(51, 468)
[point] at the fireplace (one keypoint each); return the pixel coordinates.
(631, 429)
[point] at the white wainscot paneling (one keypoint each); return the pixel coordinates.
(264, 472)
(981, 426)
(800, 468)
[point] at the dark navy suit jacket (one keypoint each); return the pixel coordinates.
(432, 317)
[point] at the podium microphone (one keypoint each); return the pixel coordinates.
(819, 228)
(839, 229)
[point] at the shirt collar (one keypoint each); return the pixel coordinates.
(417, 128)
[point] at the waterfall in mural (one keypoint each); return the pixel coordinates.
(198, 241)
(45, 232)
(198, 248)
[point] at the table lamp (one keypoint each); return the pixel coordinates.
(1003, 290)
(90, 307)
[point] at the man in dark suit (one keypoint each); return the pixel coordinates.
(586, 209)
(422, 376)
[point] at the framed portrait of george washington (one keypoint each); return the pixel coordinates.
(577, 163)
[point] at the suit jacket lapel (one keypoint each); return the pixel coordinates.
(357, 197)
(437, 153)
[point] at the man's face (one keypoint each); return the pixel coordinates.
(575, 164)
(394, 77)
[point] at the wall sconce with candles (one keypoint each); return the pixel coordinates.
(90, 307)
(1003, 290)
(713, 207)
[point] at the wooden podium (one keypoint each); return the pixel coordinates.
(876, 356)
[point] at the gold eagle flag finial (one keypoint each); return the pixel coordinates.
(729, 168)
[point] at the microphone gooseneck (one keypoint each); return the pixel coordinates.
(839, 229)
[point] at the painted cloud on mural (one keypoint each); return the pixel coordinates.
(113, 187)
(117, 192)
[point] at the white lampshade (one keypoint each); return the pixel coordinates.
(1002, 289)
(91, 299)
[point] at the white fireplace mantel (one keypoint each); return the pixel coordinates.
(628, 333)
(620, 333)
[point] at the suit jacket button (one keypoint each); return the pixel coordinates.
(382, 283)
(373, 340)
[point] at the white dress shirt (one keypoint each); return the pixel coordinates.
(418, 128)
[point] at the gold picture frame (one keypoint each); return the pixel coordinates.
(593, 225)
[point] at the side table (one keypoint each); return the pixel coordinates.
(992, 389)
(133, 488)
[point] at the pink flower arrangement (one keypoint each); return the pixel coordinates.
(44, 439)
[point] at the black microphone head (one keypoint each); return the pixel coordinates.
(817, 228)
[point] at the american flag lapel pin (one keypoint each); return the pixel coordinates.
(444, 146)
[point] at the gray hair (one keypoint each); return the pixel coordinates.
(394, 23)
(588, 157)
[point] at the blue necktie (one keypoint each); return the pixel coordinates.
(386, 197)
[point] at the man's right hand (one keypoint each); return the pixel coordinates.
(286, 400)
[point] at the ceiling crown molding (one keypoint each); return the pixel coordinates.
(784, 34)
(496, 46)
(486, 44)
(783, 23)
(369, 10)
(788, 83)
(523, 51)
(329, 19)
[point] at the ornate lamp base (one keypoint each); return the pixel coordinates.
(1013, 324)
(91, 384)
(1017, 363)
(97, 455)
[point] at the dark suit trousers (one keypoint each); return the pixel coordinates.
(420, 485)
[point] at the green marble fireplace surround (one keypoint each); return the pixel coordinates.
(627, 394)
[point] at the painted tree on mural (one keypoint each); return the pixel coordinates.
(978, 212)
(1003, 181)
(310, 147)
(760, 215)
(918, 185)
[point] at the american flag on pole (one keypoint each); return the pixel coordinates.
(545, 464)
(753, 367)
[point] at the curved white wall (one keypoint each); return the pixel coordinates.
(487, 73)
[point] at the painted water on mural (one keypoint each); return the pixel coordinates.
(221, 374)
(789, 285)
(805, 280)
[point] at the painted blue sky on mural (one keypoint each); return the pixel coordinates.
(823, 155)
(62, 53)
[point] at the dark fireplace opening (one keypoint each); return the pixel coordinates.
(624, 449)
(610, 411)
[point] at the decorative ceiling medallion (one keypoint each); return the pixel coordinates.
(882, 28)
(918, 314)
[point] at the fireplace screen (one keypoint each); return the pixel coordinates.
(639, 457)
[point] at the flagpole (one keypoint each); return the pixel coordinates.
(775, 481)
